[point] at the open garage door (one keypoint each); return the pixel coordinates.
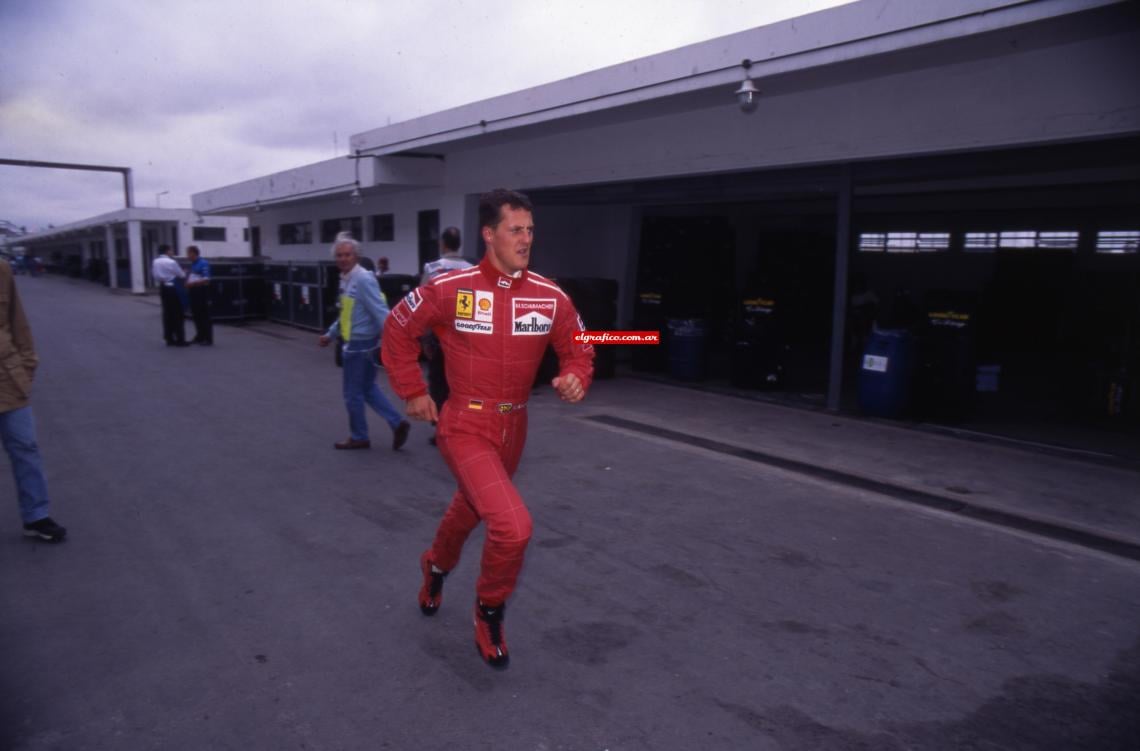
(1022, 305)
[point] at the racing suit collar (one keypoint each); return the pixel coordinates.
(497, 278)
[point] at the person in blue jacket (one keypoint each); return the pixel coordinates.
(198, 289)
(362, 315)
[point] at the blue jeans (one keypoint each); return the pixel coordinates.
(360, 387)
(18, 434)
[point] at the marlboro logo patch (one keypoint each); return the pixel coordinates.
(532, 316)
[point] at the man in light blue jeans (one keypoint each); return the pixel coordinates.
(362, 315)
(17, 425)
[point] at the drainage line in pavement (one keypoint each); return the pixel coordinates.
(1045, 529)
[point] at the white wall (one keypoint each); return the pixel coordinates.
(311, 179)
(402, 251)
(234, 246)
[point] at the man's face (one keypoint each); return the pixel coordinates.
(192, 255)
(345, 258)
(509, 241)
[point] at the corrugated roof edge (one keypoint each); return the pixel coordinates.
(845, 32)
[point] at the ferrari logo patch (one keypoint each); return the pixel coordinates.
(465, 303)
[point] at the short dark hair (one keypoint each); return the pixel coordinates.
(451, 238)
(492, 202)
(193, 249)
(162, 249)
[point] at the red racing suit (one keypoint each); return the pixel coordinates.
(493, 330)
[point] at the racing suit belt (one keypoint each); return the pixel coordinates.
(482, 404)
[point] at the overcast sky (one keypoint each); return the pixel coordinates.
(196, 94)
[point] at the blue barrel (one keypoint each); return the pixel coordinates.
(687, 349)
(886, 372)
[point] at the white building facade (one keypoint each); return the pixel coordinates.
(958, 117)
(119, 246)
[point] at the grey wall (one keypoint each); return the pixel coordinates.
(991, 92)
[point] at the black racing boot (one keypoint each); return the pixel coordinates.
(489, 636)
(431, 592)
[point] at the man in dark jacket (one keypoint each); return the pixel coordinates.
(17, 426)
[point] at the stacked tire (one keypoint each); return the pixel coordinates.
(649, 315)
(947, 368)
(759, 351)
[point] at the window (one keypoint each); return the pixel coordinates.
(917, 242)
(383, 227)
(1058, 240)
(904, 242)
(1118, 242)
(297, 233)
(1030, 239)
(981, 242)
(331, 227)
(872, 242)
(245, 234)
(209, 234)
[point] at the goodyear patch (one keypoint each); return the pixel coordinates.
(474, 327)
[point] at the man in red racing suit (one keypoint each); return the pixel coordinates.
(493, 322)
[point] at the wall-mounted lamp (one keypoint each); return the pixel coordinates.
(748, 95)
(355, 196)
(257, 206)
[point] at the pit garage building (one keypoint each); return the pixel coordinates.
(117, 248)
(964, 169)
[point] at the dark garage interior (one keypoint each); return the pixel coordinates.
(1011, 276)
